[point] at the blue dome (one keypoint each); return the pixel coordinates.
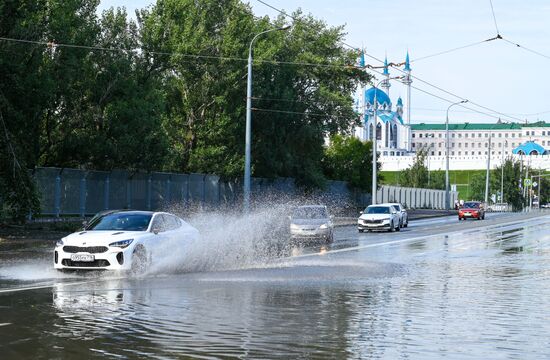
(381, 96)
(528, 148)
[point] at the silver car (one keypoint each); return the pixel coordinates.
(311, 222)
(403, 215)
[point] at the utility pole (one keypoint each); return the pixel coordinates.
(447, 147)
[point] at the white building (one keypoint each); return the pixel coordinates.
(471, 144)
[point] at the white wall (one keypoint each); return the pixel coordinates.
(397, 163)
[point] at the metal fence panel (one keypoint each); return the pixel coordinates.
(97, 191)
(48, 182)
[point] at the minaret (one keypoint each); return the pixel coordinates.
(364, 118)
(408, 81)
(386, 83)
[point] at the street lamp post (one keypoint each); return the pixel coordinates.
(447, 194)
(502, 173)
(248, 136)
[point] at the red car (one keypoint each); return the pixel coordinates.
(471, 210)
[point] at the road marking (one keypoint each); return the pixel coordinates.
(5, 324)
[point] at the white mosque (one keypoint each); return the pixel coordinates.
(393, 135)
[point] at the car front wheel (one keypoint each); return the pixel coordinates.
(140, 262)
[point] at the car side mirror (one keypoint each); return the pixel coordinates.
(361, 212)
(156, 231)
(84, 224)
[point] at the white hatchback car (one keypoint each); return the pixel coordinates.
(122, 240)
(379, 217)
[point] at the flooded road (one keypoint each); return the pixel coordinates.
(440, 288)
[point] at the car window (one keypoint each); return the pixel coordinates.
(310, 213)
(378, 210)
(120, 221)
(159, 223)
(471, 205)
(171, 221)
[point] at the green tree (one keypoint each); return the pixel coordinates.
(350, 159)
(416, 176)
(512, 193)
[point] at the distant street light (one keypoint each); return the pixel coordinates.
(447, 193)
(502, 173)
(248, 136)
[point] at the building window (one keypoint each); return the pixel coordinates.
(432, 153)
(459, 145)
(493, 135)
(486, 135)
(499, 153)
(414, 145)
(453, 145)
(478, 145)
(452, 153)
(543, 133)
(459, 153)
(465, 145)
(479, 152)
(432, 145)
(385, 153)
(527, 133)
(513, 135)
(505, 135)
(439, 153)
(479, 135)
(413, 135)
(439, 135)
(419, 135)
(499, 135)
(453, 135)
(440, 144)
(459, 135)
(486, 144)
(466, 135)
(513, 145)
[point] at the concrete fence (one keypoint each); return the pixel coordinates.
(82, 192)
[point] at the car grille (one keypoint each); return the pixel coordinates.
(372, 221)
(95, 263)
(88, 249)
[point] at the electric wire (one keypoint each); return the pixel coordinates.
(494, 16)
(412, 76)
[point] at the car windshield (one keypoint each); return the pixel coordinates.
(377, 210)
(310, 213)
(471, 205)
(121, 221)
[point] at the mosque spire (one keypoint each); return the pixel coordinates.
(407, 63)
(386, 83)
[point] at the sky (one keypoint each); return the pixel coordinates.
(496, 75)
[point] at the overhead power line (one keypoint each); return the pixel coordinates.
(194, 56)
(494, 17)
(395, 66)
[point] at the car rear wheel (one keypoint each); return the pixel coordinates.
(361, 230)
(140, 262)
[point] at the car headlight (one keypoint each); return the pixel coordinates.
(59, 243)
(122, 244)
(386, 220)
(294, 227)
(324, 226)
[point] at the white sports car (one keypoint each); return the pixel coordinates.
(122, 240)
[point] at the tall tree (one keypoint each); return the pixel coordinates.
(350, 159)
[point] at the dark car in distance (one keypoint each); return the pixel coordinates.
(471, 210)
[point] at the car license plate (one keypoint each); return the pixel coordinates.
(467, 214)
(82, 257)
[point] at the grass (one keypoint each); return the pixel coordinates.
(459, 177)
